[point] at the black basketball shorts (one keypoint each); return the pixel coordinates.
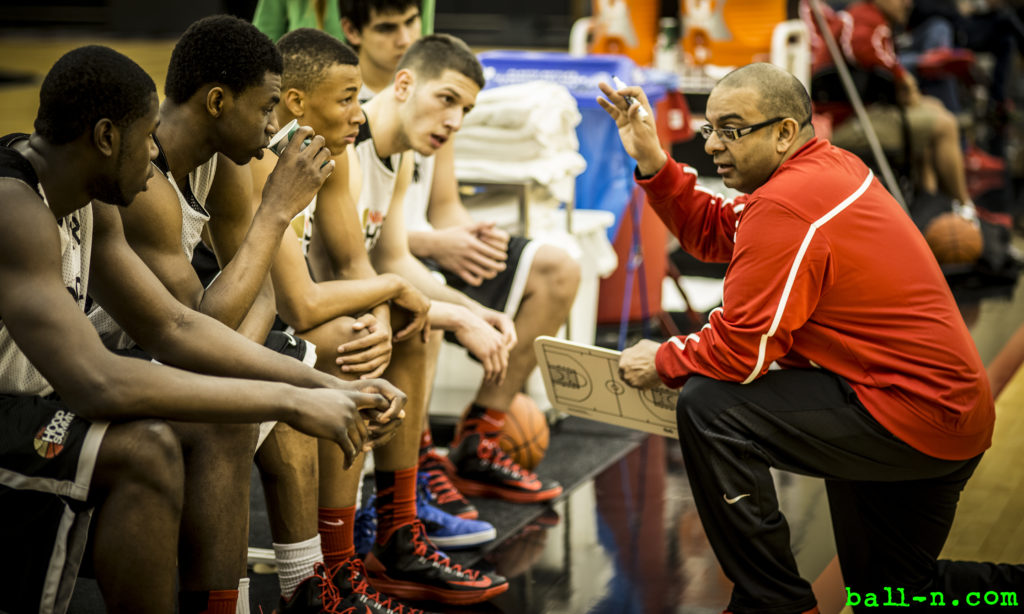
(47, 457)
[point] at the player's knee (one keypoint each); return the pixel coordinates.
(340, 330)
(944, 121)
(287, 455)
(558, 271)
(231, 440)
(142, 452)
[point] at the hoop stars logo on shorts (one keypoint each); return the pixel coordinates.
(50, 440)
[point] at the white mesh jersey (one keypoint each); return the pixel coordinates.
(417, 195)
(307, 225)
(193, 219)
(17, 374)
(193, 203)
(378, 187)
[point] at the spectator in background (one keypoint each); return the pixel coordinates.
(864, 33)
(275, 18)
(938, 27)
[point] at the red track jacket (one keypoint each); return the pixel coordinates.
(827, 271)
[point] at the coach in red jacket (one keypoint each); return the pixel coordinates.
(838, 352)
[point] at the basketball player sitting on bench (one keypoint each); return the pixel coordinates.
(319, 72)
(223, 76)
(60, 385)
(533, 283)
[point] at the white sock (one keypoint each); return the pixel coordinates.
(295, 563)
(242, 605)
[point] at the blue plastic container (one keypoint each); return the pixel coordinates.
(608, 181)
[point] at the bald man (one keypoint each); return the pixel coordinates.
(880, 391)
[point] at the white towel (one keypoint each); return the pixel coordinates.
(522, 132)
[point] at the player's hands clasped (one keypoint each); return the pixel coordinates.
(474, 252)
(502, 322)
(487, 343)
(370, 352)
(416, 305)
(300, 172)
(334, 414)
(381, 425)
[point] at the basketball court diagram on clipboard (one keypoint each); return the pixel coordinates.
(583, 380)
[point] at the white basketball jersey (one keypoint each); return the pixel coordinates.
(378, 185)
(193, 203)
(17, 374)
(193, 219)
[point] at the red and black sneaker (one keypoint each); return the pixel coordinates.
(483, 469)
(317, 595)
(410, 567)
(435, 470)
(350, 578)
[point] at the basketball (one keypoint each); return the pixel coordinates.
(524, 436)
(953, 239)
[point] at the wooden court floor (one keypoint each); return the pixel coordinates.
(34, 56)
(990, 520)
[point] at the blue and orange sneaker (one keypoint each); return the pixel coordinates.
(446, 531)
(437, 470)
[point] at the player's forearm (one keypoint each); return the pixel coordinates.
(353, 267)
(383, 313)
(188, 345)
(422, 243)
(423, 280)
(257, 323)
(133, 389)
(230, 296)
(447, 316)
(448, 214)
(332, 299)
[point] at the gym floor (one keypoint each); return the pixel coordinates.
(629, 540)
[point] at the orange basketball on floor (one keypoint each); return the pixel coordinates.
(953, 239)
(525, 434)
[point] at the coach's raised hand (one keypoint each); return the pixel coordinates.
(638, 133)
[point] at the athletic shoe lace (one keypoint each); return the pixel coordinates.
(360, 584)
(440, 486)
(422, 547)
(490, 451)
(329, 596)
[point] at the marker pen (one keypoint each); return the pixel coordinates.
(642, 113)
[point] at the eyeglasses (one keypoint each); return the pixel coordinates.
(732, 134)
